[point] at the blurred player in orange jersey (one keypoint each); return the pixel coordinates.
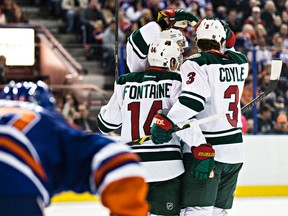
(41, 155)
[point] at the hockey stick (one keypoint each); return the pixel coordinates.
(116, 40)
(188, 125)
(276, 67)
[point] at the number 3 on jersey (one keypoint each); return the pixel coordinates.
(134, 107)
(233, 106)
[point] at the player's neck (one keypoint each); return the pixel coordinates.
(157, 69)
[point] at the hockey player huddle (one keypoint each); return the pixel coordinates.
(192, 171)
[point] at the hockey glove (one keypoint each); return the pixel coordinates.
(203, 161)
(177, 15)
(162, 129)
(230, 36)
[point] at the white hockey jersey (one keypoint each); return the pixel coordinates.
(137, 98)
(138, 44)
(212, 83)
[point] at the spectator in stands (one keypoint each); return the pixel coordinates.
(83, 120)
(95, 51)
(233, 21)
(108, 61)
(109, 10)
(134, 11)
(245, 39)
(268, 14)
(69, 108)
(275, 27)
(87, 18)
(154, 6)
(208, 11)
(2, 17)
(265, 125)
(247, 8)
(281, 124)
(71, 10)
(13, 12)
(146, 17)
(255, 17)
(263, 52)
(3, 67)
(194, 8)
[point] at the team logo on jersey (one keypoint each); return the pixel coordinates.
(169, 206)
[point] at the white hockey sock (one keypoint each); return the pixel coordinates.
(219, 212)
(199, 211)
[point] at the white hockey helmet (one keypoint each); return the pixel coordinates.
(161, 51)
(175, 35)
(211, 29)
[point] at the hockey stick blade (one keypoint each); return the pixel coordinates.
(276, 67)
(188, 125)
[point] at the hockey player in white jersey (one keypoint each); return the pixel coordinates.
(212, 82)
(138, 42)
(136, 99)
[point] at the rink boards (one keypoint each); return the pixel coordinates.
(264, 173)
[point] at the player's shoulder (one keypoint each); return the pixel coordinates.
(237, 56)
(200, 58)
(129, 77)
(148, 75)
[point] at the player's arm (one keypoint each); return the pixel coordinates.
(139, 40)
(195, 92)
(120, 181)
(109, 118)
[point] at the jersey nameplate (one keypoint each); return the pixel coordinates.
(148, 91)
(231, 74)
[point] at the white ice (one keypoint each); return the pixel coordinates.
(242, 207)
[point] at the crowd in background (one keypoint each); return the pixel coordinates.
(260, 26)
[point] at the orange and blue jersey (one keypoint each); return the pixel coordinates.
(42, 155)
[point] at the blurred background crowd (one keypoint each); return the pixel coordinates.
(260, 26)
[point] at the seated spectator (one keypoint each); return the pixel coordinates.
(69, 108)
(88, 16)
(208, 12)
(275, 27)
(245, 39)
(233, 22)
(194, 8)
(109, 10)
(72, 9)
(255, 17)
(269, 13)
(281, 125)
(146, 17)
(13, 12)
(95, 49)
(263, 54)
(265, 125)
(135, 11)
(108, 62)
(83, 120)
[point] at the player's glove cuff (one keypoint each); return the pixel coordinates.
(162, 129)
(203, 163)
(176, 15)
